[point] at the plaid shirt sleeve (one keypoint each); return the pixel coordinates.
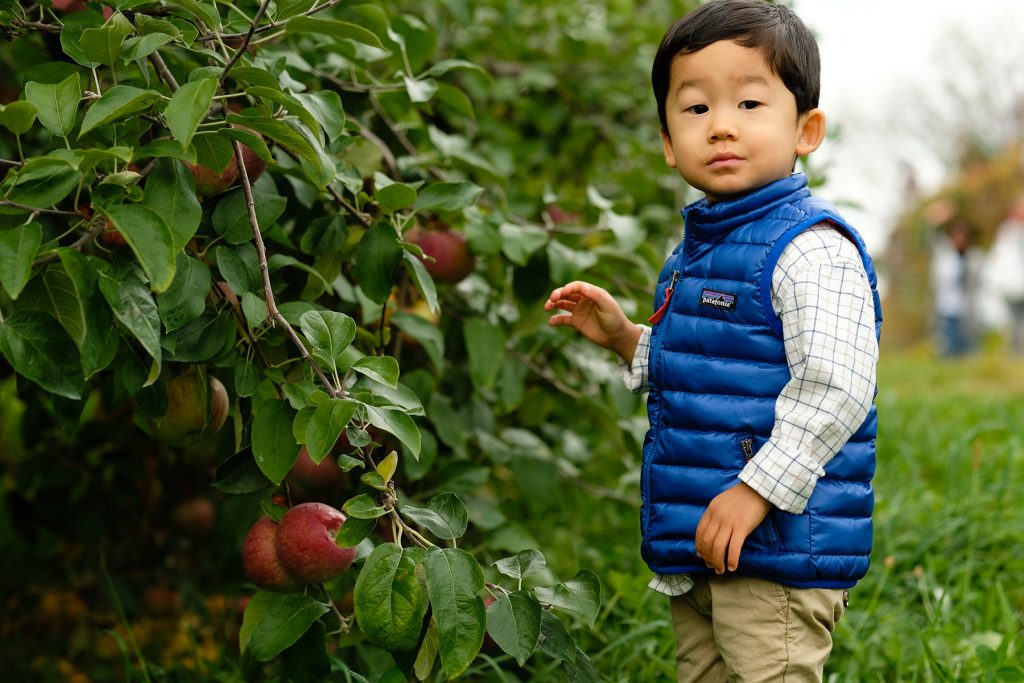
(635, 374)
(821, 294)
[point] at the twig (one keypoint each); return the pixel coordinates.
(261, 251)
(23, 207)
(40, 26)
(245, 43)
(162, 71)
(9, 162)
(337, 196)
(549, 377)
(96, 228)
(269, 27)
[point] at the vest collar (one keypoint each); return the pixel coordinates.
(704, 217)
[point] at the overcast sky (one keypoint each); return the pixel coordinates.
(875, 54)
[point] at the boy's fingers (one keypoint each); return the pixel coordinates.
(735, 547)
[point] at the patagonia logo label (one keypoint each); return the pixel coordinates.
(721, 300)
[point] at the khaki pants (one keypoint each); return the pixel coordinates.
(737, 628)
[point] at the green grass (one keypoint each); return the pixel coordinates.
(945, 593)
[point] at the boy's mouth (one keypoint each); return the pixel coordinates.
(724, 159)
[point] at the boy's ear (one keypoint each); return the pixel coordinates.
(811, 131)
(670, 155)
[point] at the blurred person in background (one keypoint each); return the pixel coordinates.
(1005, 271)
(955, 273)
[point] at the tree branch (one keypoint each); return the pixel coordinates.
(268, 292)
(245, 43)
(269, 27)
(23, 207)
(161, 69)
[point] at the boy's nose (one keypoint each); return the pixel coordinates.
(721, 128)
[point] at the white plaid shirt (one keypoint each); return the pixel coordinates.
(821, 294)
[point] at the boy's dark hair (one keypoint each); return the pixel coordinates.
(788, 45)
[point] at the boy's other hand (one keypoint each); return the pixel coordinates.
(727, 522)
(595, 314)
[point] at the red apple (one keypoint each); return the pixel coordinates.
(306, 546)
(187, 406)
(112, 238)
(489, 644)
(260, 560)
(194, 517)
(209, 181)
(449, 250)
(219, 403)
(311, 481)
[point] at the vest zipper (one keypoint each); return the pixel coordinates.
(660, 313)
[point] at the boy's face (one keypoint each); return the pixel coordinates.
(732, 123)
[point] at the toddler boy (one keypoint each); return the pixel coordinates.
(759, 360)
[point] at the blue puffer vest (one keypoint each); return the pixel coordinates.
(717, 365)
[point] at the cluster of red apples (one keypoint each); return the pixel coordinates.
(300, 549)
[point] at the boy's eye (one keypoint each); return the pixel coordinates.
(698, 109)
(749, 104)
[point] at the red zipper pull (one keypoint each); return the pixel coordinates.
(660, 313)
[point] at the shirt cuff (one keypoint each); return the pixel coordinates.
(634, 375)
(781, 478)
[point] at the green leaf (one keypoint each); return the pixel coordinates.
(306, 661)
(284, 134)
(378, 253)
(353, 531)
(187, 108)
(18, 248)
(117, 103)
(389, 600)
(396, 422)
(485, 345)
(429, 336)
(231, 215)
(555, 640)
(424, 664)
(213, 150)
(40, 183)
(580, 595)
(291, 105)
(247, 378)
(329, 333)
(514, 623)
(38, 349)
(171, 193)
(287, 617)
(56, 104)
(255, 610)
(206, 12)
(72, 27)
(339, 30)
(251, 75)
(363, 507)
(324, 428)
(420, 90)
(133, 306)
(421, 278)
(185, 299)
(520, 241)
(522, 564)
(273, 446)
(383, 369)
(18, 117)
(202, 339)
(143, 46)
(72, 297)
(151, 240)
(448, 196)
(240, 474)
(581, 669)
(396, 196)
(445, 516)
(168, 148)
(326, 108)
(103, 45)
(240, 267)
(453, 581)
(289, 8)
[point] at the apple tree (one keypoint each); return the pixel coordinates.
(298, 250)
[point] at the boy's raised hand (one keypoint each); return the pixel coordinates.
(595, 314)
(727, 522)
